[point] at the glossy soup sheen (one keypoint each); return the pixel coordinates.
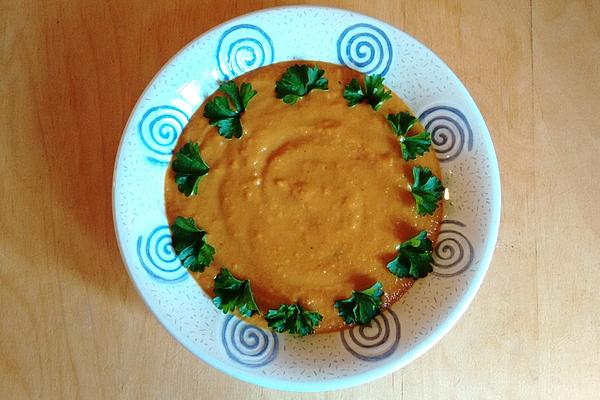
(311, 202)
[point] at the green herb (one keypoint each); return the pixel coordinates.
(189, 168)
(298, 81)
(374, 92)
(427, 190)
(414, 258)
(362, 306)
(219, 111)
(232, 293)
(190, 245)
(412, 146)
(293, 319)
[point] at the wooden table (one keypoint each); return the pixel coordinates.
(73, 326)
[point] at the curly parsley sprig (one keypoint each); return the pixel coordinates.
(294, 319)
(412, 146)
(298, 81)
(232, 293)
(219, 110)
(414, 258)
(362, 306)
(427, 190)
(189, 168)
(373, 93)
(190, 245)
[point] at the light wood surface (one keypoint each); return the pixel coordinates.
(72, 324)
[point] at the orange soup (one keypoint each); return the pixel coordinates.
(311, 202)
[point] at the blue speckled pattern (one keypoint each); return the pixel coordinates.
(469, 171)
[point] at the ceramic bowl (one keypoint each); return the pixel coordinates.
(461, 141)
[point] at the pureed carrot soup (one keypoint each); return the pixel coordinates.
(304, 197)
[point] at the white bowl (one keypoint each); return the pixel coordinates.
(326, 361)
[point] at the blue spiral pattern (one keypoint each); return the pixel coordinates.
(365, 48)
(453, 253)
(450, 131)
(376, 341)
(159, 129)
(247, 344)
(243, 48)
(158, 257)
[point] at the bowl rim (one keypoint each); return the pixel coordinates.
(392, 365)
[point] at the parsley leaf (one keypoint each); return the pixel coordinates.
(427, 190)
(414, 258)
(232, 293)
(298, 81)
(293, 319)
(362, 306)
(219, 111)
(374, 92)
(189, 168)
(412, 146)
(190, 245)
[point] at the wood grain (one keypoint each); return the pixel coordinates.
(71, 323)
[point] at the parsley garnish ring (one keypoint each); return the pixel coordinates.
(414, 256)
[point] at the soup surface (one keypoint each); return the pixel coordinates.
(311, 202)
